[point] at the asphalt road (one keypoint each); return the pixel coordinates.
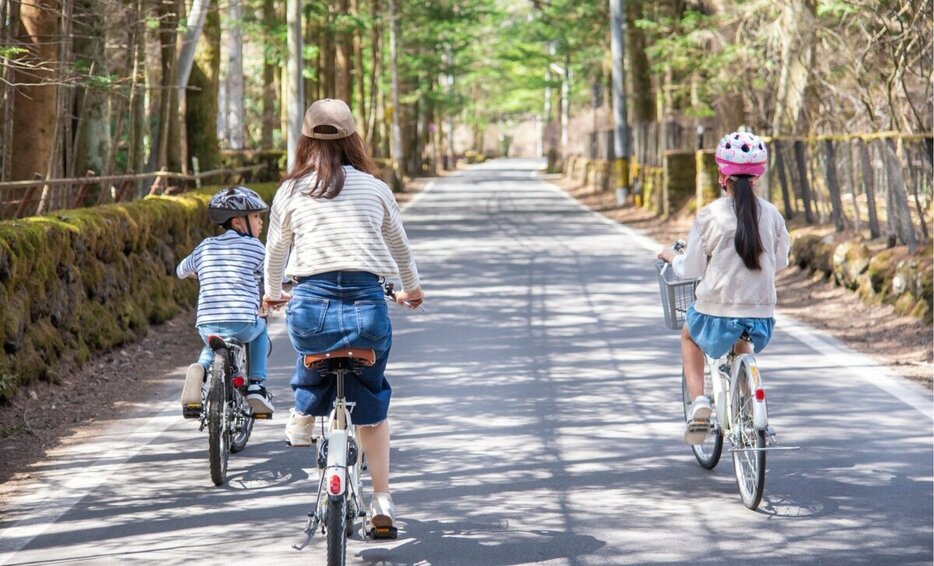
(536, 420)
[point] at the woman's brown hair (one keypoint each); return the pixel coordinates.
(326, 159)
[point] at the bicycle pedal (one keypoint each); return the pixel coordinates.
(384, 533)
(191, 411)
(700, 426)
(263, 416)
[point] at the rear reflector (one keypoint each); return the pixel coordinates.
(334, 484)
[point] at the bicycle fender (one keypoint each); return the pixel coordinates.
(335, 474)
(760, 415)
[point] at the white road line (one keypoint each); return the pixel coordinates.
(906, 391)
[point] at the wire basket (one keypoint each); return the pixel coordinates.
(677, 294)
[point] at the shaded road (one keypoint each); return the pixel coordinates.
(535, 420)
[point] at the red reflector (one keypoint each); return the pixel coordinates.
(760, 394)
(238, 381)
(334, 485)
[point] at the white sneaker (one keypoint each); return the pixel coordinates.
(382, 511)
(191, 393)
(299, 428)
(697, 426)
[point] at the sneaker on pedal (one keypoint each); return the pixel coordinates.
(697, 426)
(299, 428)
(383, 515)
(259, 398)
(191, 393)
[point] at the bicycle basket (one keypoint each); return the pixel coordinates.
(677, 294)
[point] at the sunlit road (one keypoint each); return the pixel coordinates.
(535, 420)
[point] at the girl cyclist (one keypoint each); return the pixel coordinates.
(737, 245)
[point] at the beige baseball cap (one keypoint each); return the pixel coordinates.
(328, 112)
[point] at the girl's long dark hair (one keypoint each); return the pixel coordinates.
(747, 242)
(326, 158)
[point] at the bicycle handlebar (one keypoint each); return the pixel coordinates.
(390, 293)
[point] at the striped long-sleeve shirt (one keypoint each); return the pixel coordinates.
(228, 268)
(358, 230)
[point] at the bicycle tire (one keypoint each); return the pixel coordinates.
(336, 530)
(217, 411)
(749, 460)
(242, 415)
(708, 452)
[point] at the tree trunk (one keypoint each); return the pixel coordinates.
(830, 177)
(373, 121)
(343, 44)
(92, 130)
(269, 75)
(234, 42)
(168, 38)
(35, 105)
(801, 160)
(797, 26)
(138, 124)
(395, 46)
(641, 97)
(358, 81)
(201, 111)
(869, 188)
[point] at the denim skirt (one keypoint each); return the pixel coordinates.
(715, 335)
(336, 310)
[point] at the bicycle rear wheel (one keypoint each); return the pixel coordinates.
(218, 436)
(748, 455)
(336, 530)
(708, 452)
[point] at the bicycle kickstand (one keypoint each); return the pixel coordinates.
(310, 529)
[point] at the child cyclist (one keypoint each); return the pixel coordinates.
(229, 269)
(737, 245)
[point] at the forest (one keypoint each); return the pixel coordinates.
(111, 87)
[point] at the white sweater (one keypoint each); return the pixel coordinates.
(729, 288)
(359, 230)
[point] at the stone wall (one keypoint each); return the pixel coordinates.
(83, 281)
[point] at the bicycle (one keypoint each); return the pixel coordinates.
(734, 386)
(339, 460)
(225, 412)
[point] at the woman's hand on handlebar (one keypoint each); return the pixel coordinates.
(275, 304)
(412, 299)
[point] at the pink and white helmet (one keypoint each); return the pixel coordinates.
(741, 153)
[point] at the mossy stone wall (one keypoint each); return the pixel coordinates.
(82, 281)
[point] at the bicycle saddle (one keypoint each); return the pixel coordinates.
(363, 356)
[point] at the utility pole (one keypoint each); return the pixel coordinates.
(621, 130)
(294, 71)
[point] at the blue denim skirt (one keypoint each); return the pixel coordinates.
(335, 310)
(715, 335)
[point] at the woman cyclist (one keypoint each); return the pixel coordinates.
(737, 244)
(344, 230)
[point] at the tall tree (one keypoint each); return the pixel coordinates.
(92, 128)
(35, 102)
(202, 105)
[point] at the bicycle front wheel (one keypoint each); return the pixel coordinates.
(218, 436)
(708, 452)
(335, 528)
(748, 453)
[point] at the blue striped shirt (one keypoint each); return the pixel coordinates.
(229, 268)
